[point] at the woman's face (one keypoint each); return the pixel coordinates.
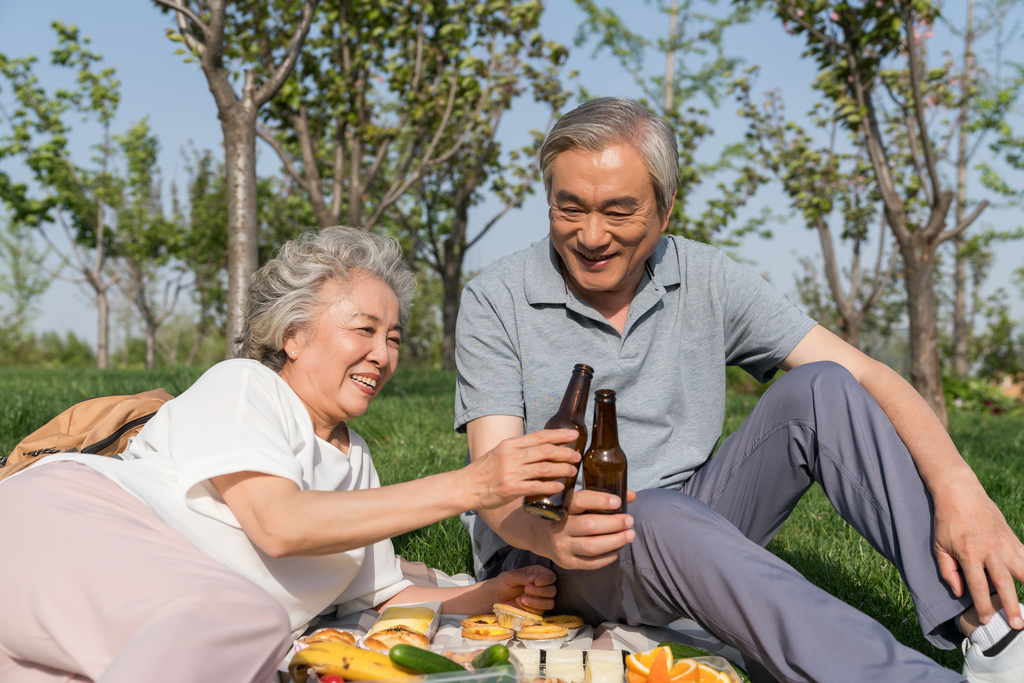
(343, 362)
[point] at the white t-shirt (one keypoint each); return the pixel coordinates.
(241, 416)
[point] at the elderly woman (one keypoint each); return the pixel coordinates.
(247, 506)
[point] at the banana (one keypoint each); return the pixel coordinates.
(347, 661)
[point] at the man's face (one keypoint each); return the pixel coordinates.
(604, 219)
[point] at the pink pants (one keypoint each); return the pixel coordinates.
(95, 587)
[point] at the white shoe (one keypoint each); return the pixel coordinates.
(1001, 663)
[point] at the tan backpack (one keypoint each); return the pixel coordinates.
(99, 425)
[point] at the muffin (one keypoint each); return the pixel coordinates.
(515, 618)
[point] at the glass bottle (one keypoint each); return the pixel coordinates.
(570, 415)
(604, 465)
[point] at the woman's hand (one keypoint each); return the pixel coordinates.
(531, 587)
(522, 466)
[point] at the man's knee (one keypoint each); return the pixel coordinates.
(815, 384)
(664, 515)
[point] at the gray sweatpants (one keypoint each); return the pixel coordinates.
(699, 553)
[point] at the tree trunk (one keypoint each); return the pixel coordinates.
(925, 368)
(102, 352)
(850, 331)
(239, 127)
(451, 279)
(961, 330)
(150, 346)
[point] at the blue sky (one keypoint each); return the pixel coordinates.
(157, 84)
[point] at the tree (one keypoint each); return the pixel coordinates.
(203, 228)
(264, 40)
(22, 282)
(388, 91)
(873, 71)
(39, 137)
(982, 108)
(435, 216)
(146, 239)
(822, 181)
(695, 34)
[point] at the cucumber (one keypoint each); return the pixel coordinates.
(502, 672)
(495, 654)
(680, 651)
(422, 661)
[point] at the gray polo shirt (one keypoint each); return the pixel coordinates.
(521, 330)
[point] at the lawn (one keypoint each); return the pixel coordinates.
(410, 434)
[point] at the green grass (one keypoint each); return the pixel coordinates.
(410, 434)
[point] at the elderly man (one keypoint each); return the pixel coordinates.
(659, 318)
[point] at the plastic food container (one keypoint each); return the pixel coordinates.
(463, 655)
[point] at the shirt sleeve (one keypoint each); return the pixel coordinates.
(237, 418)
(490, 374)
(761, 325)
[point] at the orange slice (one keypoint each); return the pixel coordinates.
(660, 666)
(641, 662)
(708, 675)
(684, 671)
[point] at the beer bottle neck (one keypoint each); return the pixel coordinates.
(574, 402)
(606, 430)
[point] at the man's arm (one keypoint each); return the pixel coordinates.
(971, 534)
(580, 541)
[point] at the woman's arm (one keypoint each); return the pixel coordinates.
(283, 520)
(532, 587)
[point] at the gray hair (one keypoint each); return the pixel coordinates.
(284, 295)
(597, 125)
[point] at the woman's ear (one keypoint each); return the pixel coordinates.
(291, 345)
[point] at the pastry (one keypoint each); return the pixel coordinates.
(329, 634)
(416, 618)
(569, 621)
(480, 620)
(515, 618)
(493, 632)
(388, 638)
(542, 632)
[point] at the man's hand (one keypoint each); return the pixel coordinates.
(587, 541)
(530, 587)
(973, 543)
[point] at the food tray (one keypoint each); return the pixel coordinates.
(482, 676)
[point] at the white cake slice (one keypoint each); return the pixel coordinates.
(604, 666)
(530, 659)
(565, 664)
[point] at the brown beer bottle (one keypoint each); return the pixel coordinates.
(604, 465)
(570, 415)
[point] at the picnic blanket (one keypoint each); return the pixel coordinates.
(606, 636)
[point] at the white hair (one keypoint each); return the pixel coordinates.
(597, 125)
(285, 294)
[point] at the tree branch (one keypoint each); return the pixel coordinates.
(915, 85)
(181, 9)
(265, 134)
(274, 83)
(964, 224)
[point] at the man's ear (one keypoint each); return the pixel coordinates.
(668, 215)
